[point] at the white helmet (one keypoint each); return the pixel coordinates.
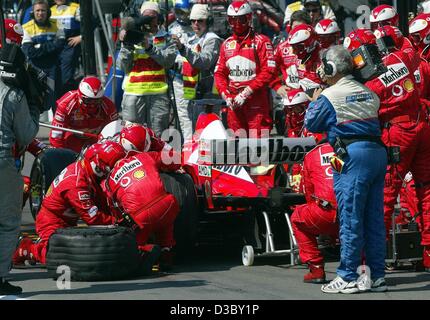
(238, 8)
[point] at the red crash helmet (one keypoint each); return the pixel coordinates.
(383, 15)
(100, 158)
(90, 90)
(357, 38)
(328, 33)
(135, 137)
(419, 30)
(14, 31)
(392, 32)
(239, 16)
(303, 40)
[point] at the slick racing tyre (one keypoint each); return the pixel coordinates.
(46, 167)
(98, 253)
(186, 224)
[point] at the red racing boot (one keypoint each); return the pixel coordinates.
(23, 255)
(426, 258)
(316, 274)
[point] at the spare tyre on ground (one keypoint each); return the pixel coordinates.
(47, 165)
(97, 253)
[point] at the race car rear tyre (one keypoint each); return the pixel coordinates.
(46, 167)
(98, 253)
(186, 224)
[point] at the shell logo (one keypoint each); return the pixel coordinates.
(408, 85)
(139, 174)
(49, 192)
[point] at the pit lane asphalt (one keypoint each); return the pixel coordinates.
(213, 274)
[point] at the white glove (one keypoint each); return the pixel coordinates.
(240, 99)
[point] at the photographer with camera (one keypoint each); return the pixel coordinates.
(145, 55)
(348, 111)
(18, 127)
(43, 42)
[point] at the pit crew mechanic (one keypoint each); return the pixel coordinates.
(136, 191)
(403, 123)
(348, 111)
(245, 67)
(75, 194)
(318, 215)
(85, 109)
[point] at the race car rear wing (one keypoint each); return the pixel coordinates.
(254, 151)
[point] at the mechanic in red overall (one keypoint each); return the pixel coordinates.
(301, 72)
(419, 35)
(74, 194)
(137, 192)
(318, 215)
(85, 109)
(245, 67)
(383, 15)
(404, 124)
(137, 137)
(328, 33)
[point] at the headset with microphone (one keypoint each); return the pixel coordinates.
(330, 69)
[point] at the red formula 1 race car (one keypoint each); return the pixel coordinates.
(242, 185)
(228, 188)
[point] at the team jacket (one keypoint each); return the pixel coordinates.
(345, 109)
(248, 62)
(317, 175)
(73, 114)
(135, 184)
(41, 45)
(397, 88)
(67, 17)
(296, 73)
(72, 196)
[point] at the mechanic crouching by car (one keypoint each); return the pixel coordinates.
(348, 112)
(18, 127)
(85, 109)
(74, 194)
(137, 192)
(318, 215)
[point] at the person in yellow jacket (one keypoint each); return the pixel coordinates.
(67, 15)
(200, 54)
(145, 99)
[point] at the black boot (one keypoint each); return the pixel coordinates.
(7, 289)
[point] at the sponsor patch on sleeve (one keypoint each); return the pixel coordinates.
(84, 195)
(59, 117)
(271, 63)
(93, 211)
